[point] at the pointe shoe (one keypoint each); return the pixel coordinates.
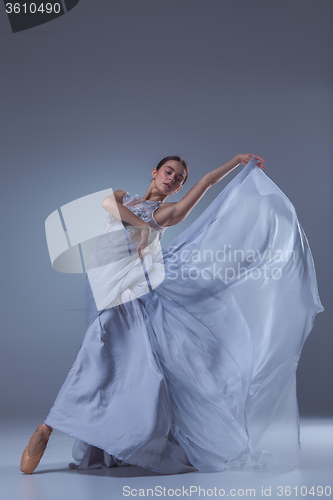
(30, 462)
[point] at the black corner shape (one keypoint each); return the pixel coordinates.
(70, 4)
(27, 14)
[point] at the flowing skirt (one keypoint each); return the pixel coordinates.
(199, 373)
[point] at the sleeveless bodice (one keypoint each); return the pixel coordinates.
(141, 208)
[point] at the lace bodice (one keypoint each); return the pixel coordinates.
(142, 208)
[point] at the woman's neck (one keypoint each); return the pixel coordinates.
(151, 196)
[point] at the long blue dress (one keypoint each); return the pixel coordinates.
(193, 366)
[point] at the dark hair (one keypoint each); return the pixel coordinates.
(175, 158)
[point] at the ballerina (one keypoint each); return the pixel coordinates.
(188, 376)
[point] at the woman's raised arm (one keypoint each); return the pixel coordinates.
(176, 212)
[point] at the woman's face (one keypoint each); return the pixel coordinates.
(170, 177)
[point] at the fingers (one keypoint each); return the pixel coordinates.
(258, 158)
(140, 250)
(260, 165)
(247, 157)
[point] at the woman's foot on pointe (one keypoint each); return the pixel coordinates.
(35, 449)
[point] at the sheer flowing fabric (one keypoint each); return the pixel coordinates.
(199, 373)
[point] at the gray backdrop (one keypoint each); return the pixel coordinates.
(97, 97)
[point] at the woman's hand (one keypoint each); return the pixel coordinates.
(145, 239)
(245, 158)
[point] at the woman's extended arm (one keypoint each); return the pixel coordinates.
(176, 212)
(216, 175)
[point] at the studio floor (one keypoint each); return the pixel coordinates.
(54, 480)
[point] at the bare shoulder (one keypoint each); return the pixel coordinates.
(174, 213)
(119, 195)
(164, 214)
